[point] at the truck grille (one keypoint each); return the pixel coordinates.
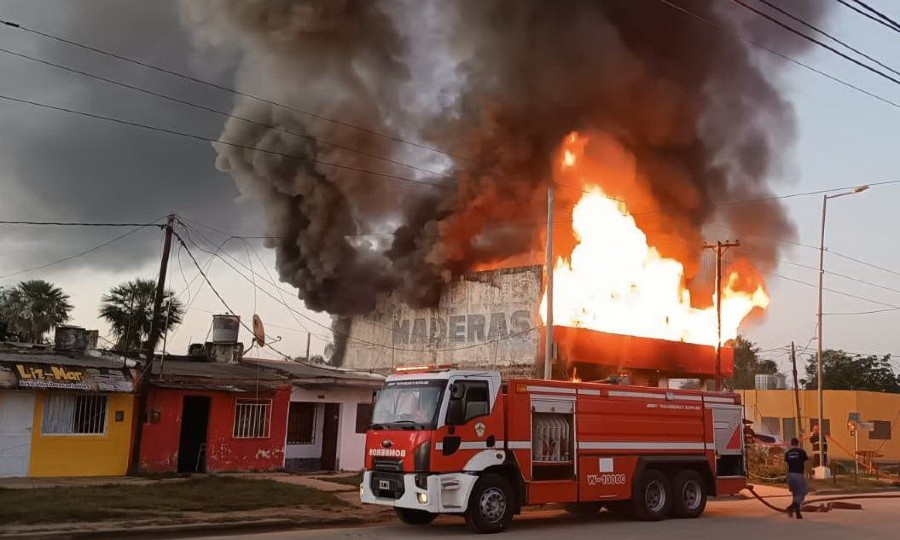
(388, 465)
(387, 485)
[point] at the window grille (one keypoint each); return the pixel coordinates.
(251, 418)
(301, 423)
(67, 414)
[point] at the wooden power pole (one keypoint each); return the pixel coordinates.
(720, 249)
(141, 383)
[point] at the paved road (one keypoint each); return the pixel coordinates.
(723, 519)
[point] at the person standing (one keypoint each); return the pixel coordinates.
(796, 458)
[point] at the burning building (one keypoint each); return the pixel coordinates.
(402, 153)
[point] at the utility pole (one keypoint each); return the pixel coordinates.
(308, 339)
(799, 427)
(147, 369)
(720, 249)
(548, 329)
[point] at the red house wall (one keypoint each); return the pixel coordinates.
(224, 453)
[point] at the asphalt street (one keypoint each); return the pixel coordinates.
(723, 519)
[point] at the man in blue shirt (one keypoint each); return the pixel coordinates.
(796, 459)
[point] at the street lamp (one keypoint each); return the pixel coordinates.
(822, 471)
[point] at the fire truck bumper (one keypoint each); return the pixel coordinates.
(441, 494)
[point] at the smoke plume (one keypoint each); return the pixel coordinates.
(679, 116)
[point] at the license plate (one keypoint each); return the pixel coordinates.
(384, 484)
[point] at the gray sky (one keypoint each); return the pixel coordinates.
(54, 166)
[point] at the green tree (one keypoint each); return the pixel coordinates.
(33, 307)
(747, 364)
(128, 308)
(846, 371)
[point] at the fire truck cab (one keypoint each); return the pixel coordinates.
(447, 441)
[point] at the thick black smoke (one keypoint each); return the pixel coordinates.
(696, 113)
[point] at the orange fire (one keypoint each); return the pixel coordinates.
(615, 281)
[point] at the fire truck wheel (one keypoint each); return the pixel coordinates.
(652, 498)
(689, 492)
(491, 505)
(414, 517)
(583, 509)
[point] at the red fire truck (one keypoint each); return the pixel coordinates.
(446, 441)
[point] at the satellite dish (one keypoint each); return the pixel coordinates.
(259, 332)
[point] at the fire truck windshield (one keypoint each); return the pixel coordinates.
(411, 404)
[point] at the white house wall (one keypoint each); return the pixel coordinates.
(486, 319)
(350, 445)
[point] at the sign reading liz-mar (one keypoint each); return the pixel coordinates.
(50, 376)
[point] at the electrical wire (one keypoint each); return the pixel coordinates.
(883, 20)
(828, 35)
(811, 39)
(783, 56)
(218, 295)
(204, 138)
(228, 89)
(348, 335)
(74, 256)
(220, 112)
(79, 224)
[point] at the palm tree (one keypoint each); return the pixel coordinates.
(33, 307)
(128, 308)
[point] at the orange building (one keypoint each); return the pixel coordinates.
(774, 412)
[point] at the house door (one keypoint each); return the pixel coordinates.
(330, 435)
(16, 420)
(192, 443)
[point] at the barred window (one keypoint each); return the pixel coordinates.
(251, 418)
(66, 414)
(881, 431)
(301, 423)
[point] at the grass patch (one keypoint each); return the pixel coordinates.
(208, 494)
(354, 480)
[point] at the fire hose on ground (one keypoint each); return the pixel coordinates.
(826, 504)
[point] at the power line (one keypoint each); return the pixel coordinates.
(883, 20)
(217, 141)
(842, 293)
(222, 113)
(783, 56)
(79, 223)
(836, 274)
(826, 34)
(218, 295)
(811, 39)
(75, 256)
(880, 15)
(228, 89)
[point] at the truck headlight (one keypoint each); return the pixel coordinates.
(423, 498)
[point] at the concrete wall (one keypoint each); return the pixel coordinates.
(84, 455)
(350, 445)
(486, 319)
(224, 452)
(759, 404)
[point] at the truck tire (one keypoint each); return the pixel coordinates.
(688, 494)
(652, 498)
(414, 517)
(583, 508)
(491, 505)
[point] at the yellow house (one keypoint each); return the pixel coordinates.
(64, 416)
(774, 412)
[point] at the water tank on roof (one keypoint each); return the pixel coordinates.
(226, 328)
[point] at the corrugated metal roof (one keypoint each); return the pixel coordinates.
(303, 370)
(45, 357)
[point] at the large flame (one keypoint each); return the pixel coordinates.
(614, 281)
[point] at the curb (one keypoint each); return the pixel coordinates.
(157, 531)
